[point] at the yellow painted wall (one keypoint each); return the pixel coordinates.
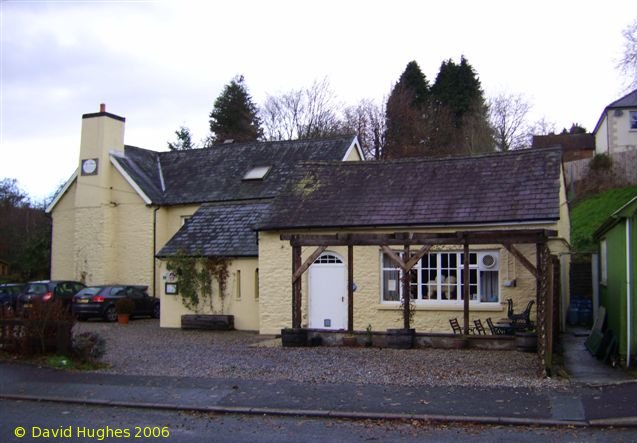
(63, 237)
(353, 155)
(132, 235)
(244, 307)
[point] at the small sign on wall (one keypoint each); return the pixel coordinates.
(171, 288)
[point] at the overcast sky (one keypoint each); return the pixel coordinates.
(161, 64)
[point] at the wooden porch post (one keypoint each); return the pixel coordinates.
(296, 287)
(350, 288)
(542, 289)
(406, 289)
(465, 287)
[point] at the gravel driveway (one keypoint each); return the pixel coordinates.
(143, 348)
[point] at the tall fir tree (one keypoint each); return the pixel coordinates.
(460, 106)
(406, 108)
(234, 115)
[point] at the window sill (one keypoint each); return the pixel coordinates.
(484, 307)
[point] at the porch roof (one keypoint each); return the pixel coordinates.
(218, 230)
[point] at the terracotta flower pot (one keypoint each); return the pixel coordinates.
(122, 319)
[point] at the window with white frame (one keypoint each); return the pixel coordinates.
(633, 119)
(438, 278)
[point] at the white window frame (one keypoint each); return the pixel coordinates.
(632, 123)
(447, 292)
(257, 173)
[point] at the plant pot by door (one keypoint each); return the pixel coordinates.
(400, 338)
(293, 337)
(526, 341)
(122, 319)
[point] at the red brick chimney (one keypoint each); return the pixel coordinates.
(102, 107)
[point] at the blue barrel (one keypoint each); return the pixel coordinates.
(585, 313)
(572, 314)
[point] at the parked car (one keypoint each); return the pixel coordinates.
(99, 301)
(49, 290)
(9, 293)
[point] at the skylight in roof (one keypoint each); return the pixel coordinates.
(257, 173)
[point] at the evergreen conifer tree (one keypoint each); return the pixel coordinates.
(235, 116)
(406, 107)
(460, 107)
(184, 140)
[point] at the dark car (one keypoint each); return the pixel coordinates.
(9, 293)
(49, 290)
(99, 301)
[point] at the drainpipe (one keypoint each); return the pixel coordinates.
(629, 313)
(155, 250)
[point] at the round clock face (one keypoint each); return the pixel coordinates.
(89, 166)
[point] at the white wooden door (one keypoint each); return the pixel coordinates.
(327, 294)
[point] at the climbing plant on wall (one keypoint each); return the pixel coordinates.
(195, 277)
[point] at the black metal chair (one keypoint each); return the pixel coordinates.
(479, 327)
(521, 321)
(455, 326)
(498, 330)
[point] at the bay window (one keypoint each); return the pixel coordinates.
(438, 278)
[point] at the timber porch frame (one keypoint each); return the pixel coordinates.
(425, 241)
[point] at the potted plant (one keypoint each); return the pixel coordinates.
(403, 338)
(294, 337)
(526, 341)
(124, 308)
(369, 336)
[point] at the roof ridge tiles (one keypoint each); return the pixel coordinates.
(534, 151)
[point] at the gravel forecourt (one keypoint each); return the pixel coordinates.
(143, 348)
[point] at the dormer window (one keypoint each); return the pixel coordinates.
(257, 173)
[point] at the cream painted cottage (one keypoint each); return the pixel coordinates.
(312, 240)
(124, 204)
(616, 129)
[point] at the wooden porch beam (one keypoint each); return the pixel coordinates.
(307, 263)
(350, 289)
(406, 292)
(296, 288)
(520, 236)
(417, 256)
(466, 278)
(400, 262)
(393, 256)
(522, 259)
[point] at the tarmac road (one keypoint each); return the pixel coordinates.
(85, 423)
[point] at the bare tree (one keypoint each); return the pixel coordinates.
(628, 63)
(367, 120)
(507, 114)
(304, 113)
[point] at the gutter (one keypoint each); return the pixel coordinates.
(155, 250)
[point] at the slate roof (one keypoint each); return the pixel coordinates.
(520, 186)
(218, 230)
(215, 174)
(627, 101)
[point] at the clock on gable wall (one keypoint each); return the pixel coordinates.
(89, 166)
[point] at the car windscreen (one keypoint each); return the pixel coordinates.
(37, 288)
